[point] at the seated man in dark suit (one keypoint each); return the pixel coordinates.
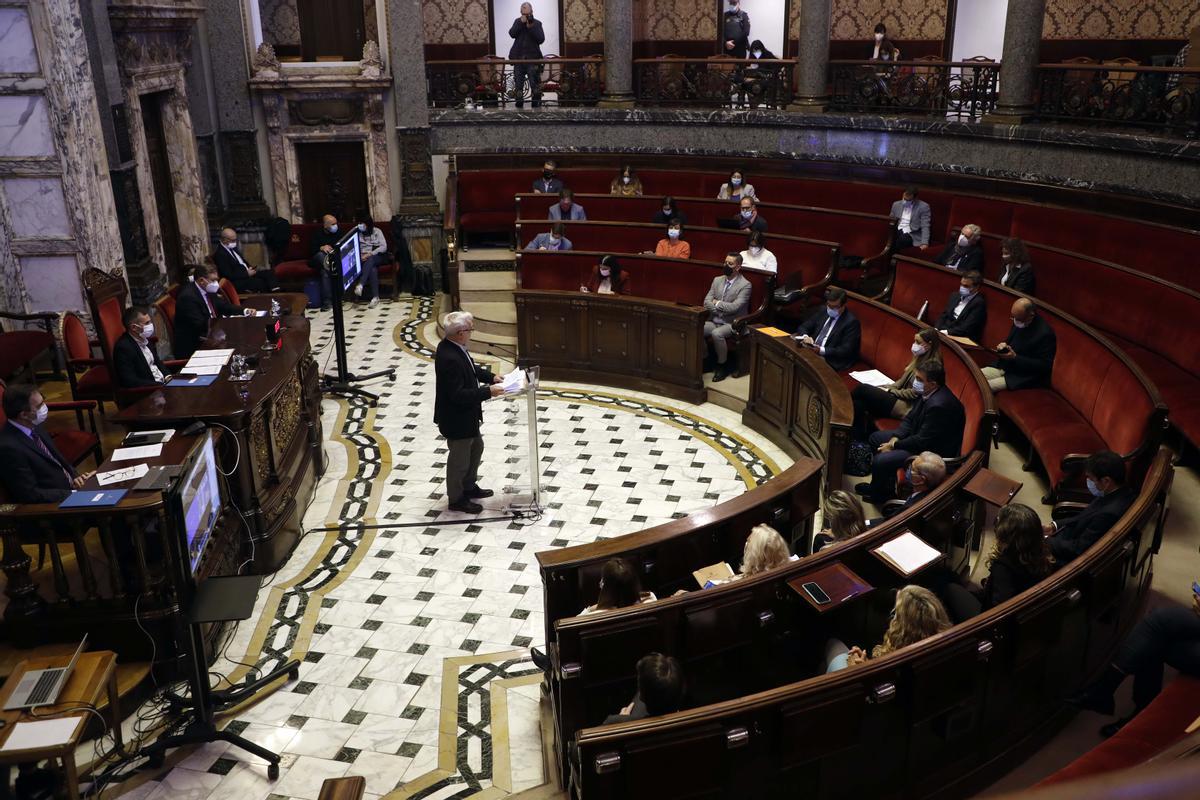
(836, 335)
(747, 219)
(1105, 472)
(924, 473)
(660, 689)
(935, 423)
(966, 311)
(1025, 360)
(135, 361)
(233, 267)
(34, 470)
(966, 252)
(199, 303)
(322, 245)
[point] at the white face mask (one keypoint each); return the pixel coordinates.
(625, 179)
(879, 37)
(148, 330)
(673, 233)
(605, 272)
(41, 414)
(211, 287)
(757, 54)
(747, 213)
(963, 241)
(919, 349)
(964, 291)
(918, 386)
(231, 245)
(1020, 323)
(553, 240)
(333, 228)
(362, 226)
(755, 251)
(735, 181)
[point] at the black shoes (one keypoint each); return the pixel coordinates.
(720, 373)
(476, 493)
(466, 506)
(863, 489)
(541, 660)
(1091, 700)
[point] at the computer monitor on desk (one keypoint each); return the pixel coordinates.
(194, 503)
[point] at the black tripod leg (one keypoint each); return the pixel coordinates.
(236, 694)
(272, 759)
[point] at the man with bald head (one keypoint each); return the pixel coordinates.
(1025, 360)
(323, 243)
(232, 265)
(527, 36)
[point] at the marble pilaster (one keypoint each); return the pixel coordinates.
(618, 54)
(190, 202)
(812, 71)
(1018, 75)
(406, 49)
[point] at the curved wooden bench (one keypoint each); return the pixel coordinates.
(1098, 397)
(967, 703)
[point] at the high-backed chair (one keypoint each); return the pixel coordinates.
(106, 297)
(20, 347)
(88, 375)
(165, 306)
(76, 444)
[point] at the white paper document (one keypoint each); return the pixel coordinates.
(908, 553)
(514, 382)
(42, 733)
(134, 453)
(225, 352)
(871, 377)
(118, 475)
(203, 368)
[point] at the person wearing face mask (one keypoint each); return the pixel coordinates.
(1104, 473)
(755, 77)
(924, 473)
(756, 255)
(607, 278)
(912, 217)
(735, 27)
(232, 265)
(627, 184)
(673, 246)
(747, 218)
(566, 208)
(549, 183)
(322, 245)
(895, 399)
(965, 253)
(728, 298)
(34, 469)
(965, 314)
(736, 188)
(1025, 360)
(884, 49)
(554, 240)
(935, 423)
(373, 247)
(836, 334)
(527, 35)
(135, 361)
(197, 306)
(1017, 273)
(670, 210)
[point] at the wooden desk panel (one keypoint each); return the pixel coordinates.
(632, 342)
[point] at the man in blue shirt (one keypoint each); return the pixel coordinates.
(567, 208)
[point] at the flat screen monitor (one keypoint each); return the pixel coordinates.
(197, 500)
(350, 257)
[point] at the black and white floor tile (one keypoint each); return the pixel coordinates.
(413, 635)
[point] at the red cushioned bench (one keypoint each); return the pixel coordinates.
(1159, 725)
(293, 271)
(1098, 398)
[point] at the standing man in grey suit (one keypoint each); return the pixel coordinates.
(727, 299)
(911, 215)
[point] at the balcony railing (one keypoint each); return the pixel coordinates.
(1163, 98)
(713, 82)
(963, 90)
(492, 82)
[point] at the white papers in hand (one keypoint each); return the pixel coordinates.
(514, 382)
(871, 377)
(908, 553)
(42, 733)
(134, 453)
(118, 475)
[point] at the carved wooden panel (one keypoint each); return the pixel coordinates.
(772, 385)
(617, 340)
(285, 415)
(673, 346)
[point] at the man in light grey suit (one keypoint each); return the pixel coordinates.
(554, 240)
(728, 299)
(912, 221)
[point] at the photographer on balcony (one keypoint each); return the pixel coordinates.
(527, 35)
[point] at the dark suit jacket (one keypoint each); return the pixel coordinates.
(28, 476)
(229, 267)
(842, 346)
(1081, 531)
(619, 282)
(552, 186)
(935, 423)
(1035, 346)
(970, 258)
(757, 224)
(662, 219)
(970, 322)
(1007, 578)
(130, 365)
(192, 318)
(458, 404)
(637, 712)
(1022, 280)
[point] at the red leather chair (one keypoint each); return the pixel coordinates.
(88, 375)
(19, 348)
(76, 444)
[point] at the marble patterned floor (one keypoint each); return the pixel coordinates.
(413, 636)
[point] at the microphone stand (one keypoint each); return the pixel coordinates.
(340, 382)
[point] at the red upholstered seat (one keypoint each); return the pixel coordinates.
(94, 381)
(293, 272)
(74, 444)
(19, 348)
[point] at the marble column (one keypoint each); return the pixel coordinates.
(812, 71)
(1018, 66)
(618, 54)
(190, 205)
(406, 54)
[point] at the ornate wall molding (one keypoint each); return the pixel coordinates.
(1120, 19)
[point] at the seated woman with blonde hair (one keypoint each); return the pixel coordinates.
(917, 615)
(842, 514)
(626, 184)
(765, 549)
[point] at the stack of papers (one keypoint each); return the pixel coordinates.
(907, 553)
(871, 377)
(514, 382)
(207, 362)
(133, 453)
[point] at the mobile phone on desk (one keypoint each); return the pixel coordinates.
(816, 593)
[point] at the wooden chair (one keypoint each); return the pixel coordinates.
(106, 298)
(88, 375)
(19, 348)
(1122, 76)
(165, 307)
(76, 444)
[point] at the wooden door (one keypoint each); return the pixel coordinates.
(333, 180)
(331, 31)
(162, 185)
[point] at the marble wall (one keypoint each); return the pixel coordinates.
(1120, 19)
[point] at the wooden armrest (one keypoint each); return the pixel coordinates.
(44, 316)
(175, 362)
(1066, 509)
(85, 362)
(72, 405)
(352, 787)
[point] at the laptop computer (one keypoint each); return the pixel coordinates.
(41, 686)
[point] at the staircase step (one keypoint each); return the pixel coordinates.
(487, 281)
(493, 312)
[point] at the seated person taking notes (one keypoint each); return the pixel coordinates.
(553, 240)
(965, 314)
(728, 298)
(836, 335)
(34, 469)
(607, 278)
(198, 305)
(135, 360)
(566, 208)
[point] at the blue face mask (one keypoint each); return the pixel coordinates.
(1094, 489)
(918, 386)
(833, 313)
(964, 291)
(908, 475)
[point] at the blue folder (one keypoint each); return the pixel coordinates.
(187, 383)
(93, 498)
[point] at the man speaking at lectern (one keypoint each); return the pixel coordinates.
(458, 410)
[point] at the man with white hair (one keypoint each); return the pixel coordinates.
(965, 253)
(925, 472)
(458, 410)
